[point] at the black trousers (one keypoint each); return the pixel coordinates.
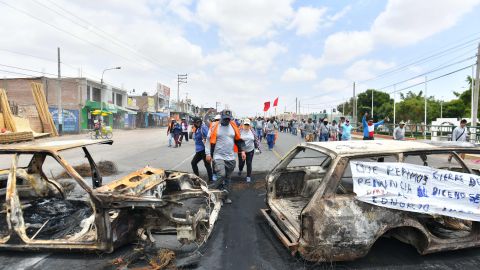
(196, 159)
(248, 160)
(184, 134)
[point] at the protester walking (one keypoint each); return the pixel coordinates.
(340, 129)
(249, 136)
(301, 127)
(333, 130)
(369, 127)
(259, 128)
(460, 134)
(399, 132)
(184, 126)
(309, 130)
(346, 131)
(170, 133)
(323, 130)
(199, 136)
(223, 138)
(177, 131)
(270, 131)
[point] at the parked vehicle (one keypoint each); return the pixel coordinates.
(43, 212)
(314, 211)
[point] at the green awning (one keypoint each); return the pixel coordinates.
(95, 105)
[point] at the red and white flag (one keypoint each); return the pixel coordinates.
(266, 106)
(275, 102)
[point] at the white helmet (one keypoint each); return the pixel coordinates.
(217, 117)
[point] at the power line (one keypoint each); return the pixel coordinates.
(67, 32)
(433, 79)
(101, 33)
(423, 60)
(426, 73)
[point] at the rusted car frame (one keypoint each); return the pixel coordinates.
(331, 225)
(131, 208)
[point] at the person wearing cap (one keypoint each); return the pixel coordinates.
(399, 132)
(346, 130)
(369, 127)
(184, 133)
(270, 128)
(259, 128)
(177, 131)
(200, 136)
(309, 130)
(223, 141)
(249, 136)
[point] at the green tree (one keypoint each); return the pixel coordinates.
(382, 104)
(412, 108)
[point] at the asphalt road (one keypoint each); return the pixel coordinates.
(241, 239)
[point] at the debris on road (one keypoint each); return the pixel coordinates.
(315, 211)
(39, 214)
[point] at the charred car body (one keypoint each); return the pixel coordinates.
(313, 210)
(40, 212)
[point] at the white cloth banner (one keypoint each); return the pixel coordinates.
(417, 188)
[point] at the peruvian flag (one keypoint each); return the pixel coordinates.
(275, 102)
(266, 106)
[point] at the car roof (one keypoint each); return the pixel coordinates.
(385, 146)
(50, 145)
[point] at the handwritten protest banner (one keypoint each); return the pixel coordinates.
(417, 188)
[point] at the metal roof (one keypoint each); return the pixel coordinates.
(385, 146)
(51, 145)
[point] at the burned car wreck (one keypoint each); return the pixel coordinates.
(40, 212)
(314, 211)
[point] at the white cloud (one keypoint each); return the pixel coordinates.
(253, 59)
(298, 74)
(307, 20)
(332, 85)
(406, 22)
(366, 69)
(241, 21)
(337, 16)
(342, 47)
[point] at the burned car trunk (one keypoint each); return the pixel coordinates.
(315, 213)
(45, 213)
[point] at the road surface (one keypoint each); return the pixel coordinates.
(241, 239)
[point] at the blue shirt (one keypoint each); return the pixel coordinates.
(200, 134)
(346, 132)
(365, 126)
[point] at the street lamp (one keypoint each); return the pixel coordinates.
(101, 85)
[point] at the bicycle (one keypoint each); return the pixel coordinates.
(105, 133)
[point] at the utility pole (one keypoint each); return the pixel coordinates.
(372, 105)
(354, 105)
(296, 106)
(394, 101)
(59, 95)
(425, 117)
(181, 78)
(476, 90)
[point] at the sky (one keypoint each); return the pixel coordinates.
(244, 53)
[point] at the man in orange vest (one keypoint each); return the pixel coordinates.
(225, 140)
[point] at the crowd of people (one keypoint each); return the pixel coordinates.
(223, 140)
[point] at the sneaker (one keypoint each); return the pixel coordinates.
(248, 179)
(214, 177)
(227, 201)
(239, 173)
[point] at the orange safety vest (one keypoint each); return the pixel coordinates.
(214, 130)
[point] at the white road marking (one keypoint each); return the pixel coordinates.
(181, 163)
